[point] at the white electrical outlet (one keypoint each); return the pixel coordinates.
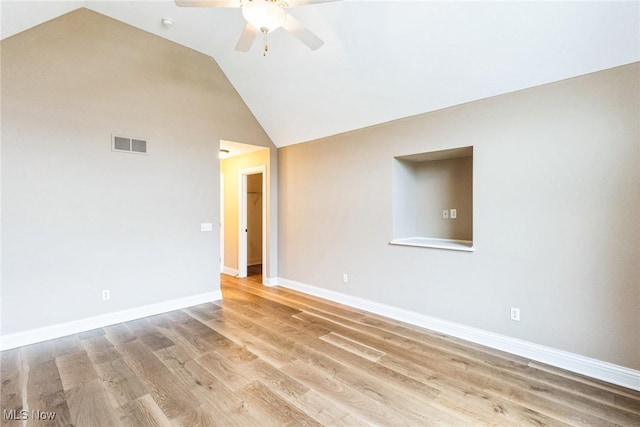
(345, 278)
(453, 214)
(106, 294)
(515, 314)
(445, 214)
(206, 226)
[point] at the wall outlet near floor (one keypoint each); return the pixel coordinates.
(345, 278)
(106, 294)
(445, 214)
(515, 314)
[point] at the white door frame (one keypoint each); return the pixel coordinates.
(242, 216)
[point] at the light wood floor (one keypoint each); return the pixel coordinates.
(270, 356)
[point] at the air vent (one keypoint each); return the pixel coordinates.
(139, 146)
(129, 145)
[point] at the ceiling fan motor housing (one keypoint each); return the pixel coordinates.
(264, 15)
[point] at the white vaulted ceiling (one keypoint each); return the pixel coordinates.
(382, 60)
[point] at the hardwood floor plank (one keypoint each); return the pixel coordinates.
(324, 410)
(343, 394)
(67, 345)
(264, 404)
(225, 371)
(148, 334)
(474, 387)
(45, 392)
(181, 335)
(354, 347)
(301, 301)
(201, 417)
(41, 352)
(227, 408)
(204, 311)
(11, 386)
(607, 392)
(244, 333)
(174, 357)
(119, 334)
(205, 341)
(261, 305)
(120, 382)
(143, 411)
(308, 401)
(91, 334)
(481, 408)
(175, 400)
(247, 312)
(101, 350)
(75, 369)
(260, 370)
(89, 406)
(348, 421)
(195, 326)
(383, 385)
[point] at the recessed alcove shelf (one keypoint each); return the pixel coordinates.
(425, 185)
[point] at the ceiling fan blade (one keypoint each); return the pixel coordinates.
(207, 3)
(247, 38)
(295, 3)
(302, 33)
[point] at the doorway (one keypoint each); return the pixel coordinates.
(236, 161)
(221, 222)
(251, 220)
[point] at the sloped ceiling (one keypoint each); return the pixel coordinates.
(382, 60)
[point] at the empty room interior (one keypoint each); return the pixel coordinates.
(320, 212)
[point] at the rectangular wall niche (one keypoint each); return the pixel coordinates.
(426, 188)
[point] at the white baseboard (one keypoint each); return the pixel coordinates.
(594, 368)
(229, 271)
(270, 281)
(69, 328)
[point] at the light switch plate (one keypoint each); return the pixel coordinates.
(445, 214)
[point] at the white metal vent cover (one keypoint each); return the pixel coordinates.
(129, 145)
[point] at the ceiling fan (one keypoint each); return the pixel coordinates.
(265, 16)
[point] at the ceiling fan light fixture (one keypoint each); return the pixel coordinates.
(264, 15)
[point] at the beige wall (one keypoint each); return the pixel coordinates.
(79, 218)
(555, 199)
(230, 169)
(445, 184)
